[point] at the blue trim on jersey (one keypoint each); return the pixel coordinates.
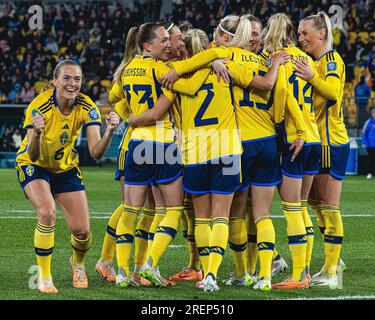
(23, 151)
(210, 161)
(312, 143)
(169, 179)
(30, 126)
(259, 51)
(92, 124)
(332, 75)
(332, 50)
(222, 192)
(336, 175)
(311, 172)
(291, 175)
(340, 145)
(266, 184)
(259, 139)
(243, 188)
(327, 130)
(58, 106)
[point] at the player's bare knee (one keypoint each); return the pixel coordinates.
(47, 215)
(82, 234)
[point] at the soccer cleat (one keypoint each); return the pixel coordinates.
(291, 284)
(80, 280)
(210, 283)
(263, 284)
(153, 275)
(278, 266)
(200, 284)
(369, 176)
(187, 274)
(322, 278)
(139, 281)
(245, 281)
(46, 286)
(254, 277)
(106, 270)
(341, 265)
(122, 281)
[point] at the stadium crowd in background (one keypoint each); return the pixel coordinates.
(93, 34)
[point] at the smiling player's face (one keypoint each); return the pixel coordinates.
(68, 83)
(160, 46)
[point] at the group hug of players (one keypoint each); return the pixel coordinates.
(270, 116)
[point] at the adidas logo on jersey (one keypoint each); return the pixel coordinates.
(66, 127)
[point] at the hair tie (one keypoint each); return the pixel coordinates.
(222, 29)
(170, 27)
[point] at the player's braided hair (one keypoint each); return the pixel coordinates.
(56, 72)
(279, 33)
(321, 21)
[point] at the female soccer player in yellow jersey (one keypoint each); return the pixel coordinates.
(294, 112)
(47, 166)
(315, 35)
(212, 155)
(255, 124)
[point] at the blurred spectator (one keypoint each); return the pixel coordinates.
(368, 142)
(17, 138)
(362, 94)
(103, 98)
(14, 95)
(27, 93)
(6, 142)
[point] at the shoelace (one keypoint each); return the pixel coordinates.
(109, 267)
(80, 273)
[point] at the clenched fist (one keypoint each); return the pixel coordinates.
(38, 123)
(112, 120)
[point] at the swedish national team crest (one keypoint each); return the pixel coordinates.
(64, 138)
(93, 114)
(331, 66)
(29, 170)
(268, 63)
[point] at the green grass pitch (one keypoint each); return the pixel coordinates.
(17, 224)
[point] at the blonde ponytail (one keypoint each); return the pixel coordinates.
(130, 51)
(321, 21)
(279, 34)
(237, 27)
(196, 41)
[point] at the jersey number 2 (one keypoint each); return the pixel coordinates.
(198, 121)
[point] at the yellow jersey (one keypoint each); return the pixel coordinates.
(209, 124)
(252, 107)
(293, 101)
(329, 114)
(122, 110)
(57, 153)
(140, 85)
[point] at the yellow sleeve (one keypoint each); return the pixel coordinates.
(242, 75)
(329, 89)
(92, 117)
(160, 70)
(297, 116)
(191, 85)
(116, 93)
(280, 95)
(200, 60)
(122, 109)
(30, 112)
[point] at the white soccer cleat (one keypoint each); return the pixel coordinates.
(278, 266)
(254, 277)
(324, 279)
(46, 286)
(264, 284)
(122, 280)
(341, 265)
(152, 274)
(210, 283)
(245, 281)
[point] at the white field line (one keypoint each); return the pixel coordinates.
(357, 297)
(105, 215)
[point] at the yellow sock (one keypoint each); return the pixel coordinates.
(218, 243)
(194, 261)
(237, 242)
(314, 204)
(141, 238)
(309, 232)
(266, 245)
(252, 250)
(165, 233)
(109, 242)
(202, 237)
(297, 239)
(159, 215)
(80, 248)
(44, 240)
(125, 236)
(333, 237)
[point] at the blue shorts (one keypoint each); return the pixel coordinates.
(221, 176)
(149, 162)
(306, 162)
(120, 164)
(260, 163)
(68, 181)
(334, 160)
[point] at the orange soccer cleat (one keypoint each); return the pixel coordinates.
(46, 286)
(292, 284)
(140, 281)
(80, 280)
(106, 270)
(187, 274)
